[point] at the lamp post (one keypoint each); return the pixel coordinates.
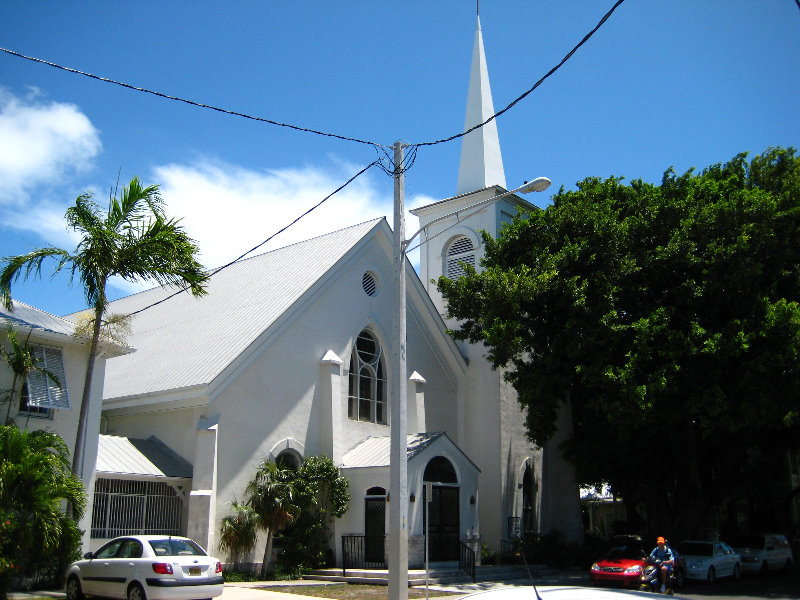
(398, 456)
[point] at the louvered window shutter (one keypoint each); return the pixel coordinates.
(43, 392)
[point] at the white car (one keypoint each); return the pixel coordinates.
(710, 560)
(146, 567)
(763, 553)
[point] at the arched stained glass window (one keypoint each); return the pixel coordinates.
(459, 252)
(367, 381)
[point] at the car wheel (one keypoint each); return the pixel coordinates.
(710, 578)
(74, 591)
(737, 572)
(135, 592)
(764, 568)
(679, 578)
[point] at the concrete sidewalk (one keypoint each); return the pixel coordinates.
(255, 590)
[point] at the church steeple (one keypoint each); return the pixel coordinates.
(481, 162)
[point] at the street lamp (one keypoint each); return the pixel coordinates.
(398, 463)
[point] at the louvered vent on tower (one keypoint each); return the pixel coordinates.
(460, 252)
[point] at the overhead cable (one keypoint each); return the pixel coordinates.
(322, 133)
(192, 102)
(535, 85)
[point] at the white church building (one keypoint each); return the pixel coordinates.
(287, 356)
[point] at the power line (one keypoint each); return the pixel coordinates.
(535, 85)
(281, 230)
(191, 102)
(322, 133)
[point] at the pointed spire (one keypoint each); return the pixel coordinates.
(481, 162)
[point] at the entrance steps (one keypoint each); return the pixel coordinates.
(438, 574)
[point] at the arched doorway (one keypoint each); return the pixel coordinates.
(529, 489)
(374, 525)
(443, 511)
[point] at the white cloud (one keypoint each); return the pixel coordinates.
(229, 210)
(39, 142)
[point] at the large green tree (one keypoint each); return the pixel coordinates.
(667, 316)
(133, 240)
(37, 537)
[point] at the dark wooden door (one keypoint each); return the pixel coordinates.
(444, 524)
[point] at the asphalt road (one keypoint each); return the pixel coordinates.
(773, 587)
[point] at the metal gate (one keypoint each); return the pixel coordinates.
(374, 529)
(125, 507)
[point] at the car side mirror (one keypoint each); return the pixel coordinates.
(88, 555)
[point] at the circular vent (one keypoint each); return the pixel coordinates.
(370, 284)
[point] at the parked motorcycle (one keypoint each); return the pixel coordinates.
(649, 581)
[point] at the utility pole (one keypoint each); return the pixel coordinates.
(398, 457)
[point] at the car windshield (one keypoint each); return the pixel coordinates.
(747, 541)
(696, 549)
(626, 552)
(176, 547)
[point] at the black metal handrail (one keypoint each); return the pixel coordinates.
(354, 554)
(466, 560)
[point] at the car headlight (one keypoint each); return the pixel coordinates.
(634, 569)
(595, 567)
(697, 564)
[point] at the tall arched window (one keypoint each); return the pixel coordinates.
(367, 383)
(459, 252)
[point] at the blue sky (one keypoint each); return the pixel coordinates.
(683, 83)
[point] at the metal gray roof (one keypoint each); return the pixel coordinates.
(131, 456)
(187, 341)
(374, 451)
(25, 316)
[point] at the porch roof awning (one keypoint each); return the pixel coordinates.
(375, 451)
(118, 455)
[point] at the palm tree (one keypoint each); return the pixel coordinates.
(35, 480)
(22, 364)
(133, 240)
(271, 495)
(237, 532)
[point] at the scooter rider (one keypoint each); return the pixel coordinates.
(663, 553)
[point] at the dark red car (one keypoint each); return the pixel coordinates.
(621, 566)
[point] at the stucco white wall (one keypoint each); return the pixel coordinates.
(272, 393)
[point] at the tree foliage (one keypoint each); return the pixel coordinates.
(38, 538)
(321, 494)
(134, 240)
(22, 362)
(272, 497)
(668, 315)
(299, 504)
(237, 532)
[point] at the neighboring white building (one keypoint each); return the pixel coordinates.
(287, 356)
(45, 405)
